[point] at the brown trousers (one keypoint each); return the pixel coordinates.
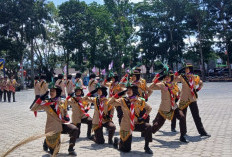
(158, 122)
(144, 127)
(119, 114)
(73, 132)
(70, 129)
(196, 117)
(88, 121)
(99, 138)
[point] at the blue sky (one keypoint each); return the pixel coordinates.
(58, 2)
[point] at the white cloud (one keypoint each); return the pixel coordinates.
(136, 1)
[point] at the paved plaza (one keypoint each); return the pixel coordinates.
(215, 105)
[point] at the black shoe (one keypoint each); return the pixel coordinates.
(206, 135)
(89, 136)
(110, 141)
(148, 150)
(142, 134)
(173, 130)
(115, 144)
(45, 147)
(183, 139)
(72, 152)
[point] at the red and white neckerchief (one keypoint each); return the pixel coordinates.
(101, 111)
(171, 95)
(83, 109)
(132, 117)
(191, 83)
(58, 111)
(48, 104)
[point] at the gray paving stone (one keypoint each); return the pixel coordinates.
(215, 106)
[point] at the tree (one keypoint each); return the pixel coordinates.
(221, 11)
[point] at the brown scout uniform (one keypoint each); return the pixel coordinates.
(115, 88)
(166, 111)
(92, 85)
(187, 99)
(69, 87)
(78, 116)
(140, 108)
(43, 87)
(55, 125)
(108, 123)
(61, 84)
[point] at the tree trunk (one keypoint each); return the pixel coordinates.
(67, 63)
(32, 62)
(228, 59)
(201, 53)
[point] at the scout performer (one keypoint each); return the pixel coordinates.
(12, 83)
(114, 87)
(136, 79)
(92, 82)
(4, 87)
(69, 85)
(55, 120)
(103, 114)
(168, 107)
(144, 91)
(36, 89)
(79, 110)
(1, 88)
(78, 79)
(43, 86)
(60, 82)
(92, 85)
(135, 112)
(188, 96)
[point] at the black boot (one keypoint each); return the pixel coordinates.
(115, 144)
(183, 139)
(148, 150)
(45, 146)
(142, 134)
(71, 151)
(110, 141)
(173, 130)
(89, 135)
(205, 134)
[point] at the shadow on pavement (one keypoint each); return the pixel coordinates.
(168, 144)
(164, 133)
(135, 153)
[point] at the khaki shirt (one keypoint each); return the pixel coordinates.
(43, 87)
(140, 104)
(107, 109)
(53, 123)
(77, 114)
(69, 87)
(61, 84)
(37, 88)
(166, 104)
(186, 94)
(92, 85)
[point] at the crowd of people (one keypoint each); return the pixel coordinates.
(7, 88)
(127, 96)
